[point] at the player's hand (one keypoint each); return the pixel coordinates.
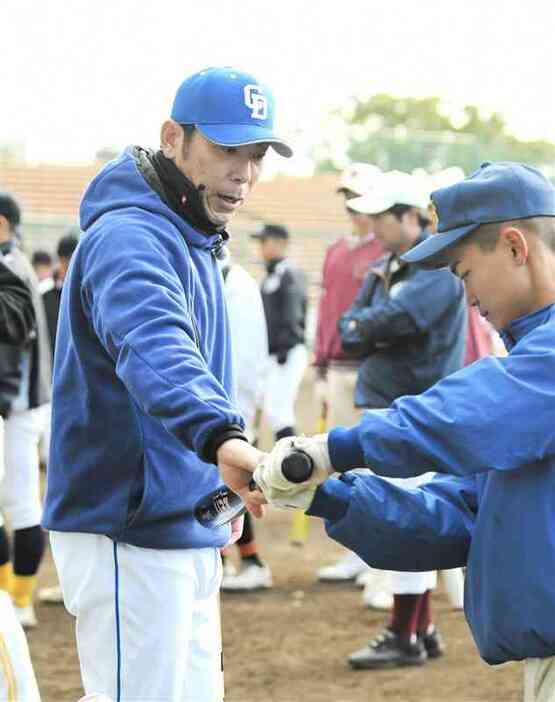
(237, 461)
(269, 476)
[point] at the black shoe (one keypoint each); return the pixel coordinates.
(388, 651)
(433, 643)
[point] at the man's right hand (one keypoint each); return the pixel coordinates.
(237, 461)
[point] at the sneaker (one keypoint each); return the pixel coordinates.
(95, 697)
(51, 595)
(26, 616)
(387, 651)
(347, 568)
(252, 577)
(433, 643)
(228, 569)
(377, 599)
(367, 576)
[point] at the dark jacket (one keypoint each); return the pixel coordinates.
(285, 301)
(38, 345)
(409, 326)
(17, 314)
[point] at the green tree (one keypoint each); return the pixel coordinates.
(408, 133)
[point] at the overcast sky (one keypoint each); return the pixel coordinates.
(78, 75)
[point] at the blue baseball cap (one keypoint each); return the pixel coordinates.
(496, 192)
(229, 108)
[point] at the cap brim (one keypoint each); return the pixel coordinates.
(370, 205)
(436, 244)
(243, 135)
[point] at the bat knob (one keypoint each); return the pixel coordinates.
(297, 467)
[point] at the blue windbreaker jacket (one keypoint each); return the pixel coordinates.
(491, 427)
(142, 373)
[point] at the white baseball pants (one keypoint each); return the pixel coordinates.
(148, 620)
(17, 678)
(20, 491)
(282, 387)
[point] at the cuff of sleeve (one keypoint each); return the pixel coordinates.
(331, 500)
(219, 437)
(345, 449)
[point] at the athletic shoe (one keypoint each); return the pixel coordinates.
(95, 697)
(433, 643)
(346, 568)
(388, 651)
(26, 616)
(367, 576)
(51, 595)
(228, 569)
(377, 599)
(252, 577)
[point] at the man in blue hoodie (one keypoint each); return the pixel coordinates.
(487, 428)
(144, 418)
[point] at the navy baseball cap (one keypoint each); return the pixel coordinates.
(496, 192)
(229, 108)
(272, 231)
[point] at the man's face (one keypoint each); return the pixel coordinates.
(493, 283)
(227, 173)
(272, 248)
(43, 271)
(390, 232)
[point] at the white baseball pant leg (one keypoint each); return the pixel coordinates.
(148, 620)
(20, 489)
(17, 677)
(282, 387)
(539, 679)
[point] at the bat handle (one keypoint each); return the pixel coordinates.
(297, 466)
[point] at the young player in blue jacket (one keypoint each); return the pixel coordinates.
(144, 417)
(489, 429)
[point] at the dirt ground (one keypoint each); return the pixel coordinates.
(290, 644)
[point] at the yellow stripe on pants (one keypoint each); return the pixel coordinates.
(7, 671)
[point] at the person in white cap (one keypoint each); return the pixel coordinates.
(345, 266)
(407, 326)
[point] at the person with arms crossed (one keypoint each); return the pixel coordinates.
(407, 326)
(487, 430)
(144, 421)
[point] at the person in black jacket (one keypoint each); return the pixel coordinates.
(25, 383)
(17, 315)
(284, 295)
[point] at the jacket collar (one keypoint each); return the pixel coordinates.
(522, 326)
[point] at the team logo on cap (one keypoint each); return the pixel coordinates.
(434, 217)
(255, 101)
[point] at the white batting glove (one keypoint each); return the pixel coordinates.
(269, 476)
(291, 499)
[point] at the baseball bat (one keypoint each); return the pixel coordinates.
(223, 505)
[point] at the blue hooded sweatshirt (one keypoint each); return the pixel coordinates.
(142, 373)
(490, 427)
